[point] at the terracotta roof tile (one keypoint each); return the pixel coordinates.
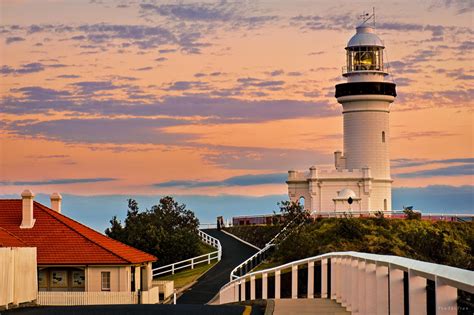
(63, 241)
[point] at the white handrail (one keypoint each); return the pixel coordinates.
(342, 272)
(172, 268)
(262, 252)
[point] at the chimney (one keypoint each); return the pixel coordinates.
(56, 202)
(27, 220)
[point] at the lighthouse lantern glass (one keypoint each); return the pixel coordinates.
(364, 58)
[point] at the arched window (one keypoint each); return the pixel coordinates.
(383, 136)
(301, 201)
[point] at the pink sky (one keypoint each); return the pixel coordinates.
(115, 97)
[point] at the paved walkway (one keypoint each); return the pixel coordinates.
(233, 253)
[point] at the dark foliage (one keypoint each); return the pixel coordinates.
(168, 230)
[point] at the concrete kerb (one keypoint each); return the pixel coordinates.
(241, 240)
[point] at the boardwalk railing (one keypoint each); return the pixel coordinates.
(86, 298)
(193, 262)
(362, 283)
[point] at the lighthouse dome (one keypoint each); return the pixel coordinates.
(365, 36)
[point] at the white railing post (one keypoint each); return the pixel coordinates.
(277, 284)
(324, 279)
(264, 286)
(361, 286)
(396, 291)
(338, 276)
(310, 280)
(446, 298)
(242, 290)
(370, 288)
(294, 282)
(416, 293)
(172, 269)
(354, 274)
(209, 259)
(192, 263)
(346, 286)
(236, 291)
(381, 274)
(252, 287)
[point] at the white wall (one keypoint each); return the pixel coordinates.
(18, 275)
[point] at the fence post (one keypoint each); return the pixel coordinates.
(396, 291)
(381, 274)
(310, 280)
(264, 286)
(324, 279)
(172, 269)
(294, 282)
(370, 288)
(192, 263)
(242, 290)
(446, 298)
(277, 284)
(361, 286)
(252, 287)
(209, 259)
(416, 293)
(354, 274)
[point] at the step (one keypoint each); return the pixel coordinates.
(308, 306)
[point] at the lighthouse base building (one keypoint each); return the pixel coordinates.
(360, 180)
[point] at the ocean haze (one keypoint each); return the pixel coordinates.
(96, 211)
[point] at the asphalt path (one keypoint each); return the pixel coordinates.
(234, 252)
(145, 309)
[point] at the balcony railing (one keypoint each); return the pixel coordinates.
(362, 283)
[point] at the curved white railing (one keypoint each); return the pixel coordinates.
(259, 256)
(363, 283)
(192, 262)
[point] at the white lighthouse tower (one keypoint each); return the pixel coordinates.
(361, 180)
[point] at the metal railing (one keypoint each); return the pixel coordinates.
(262, 254)
(194, 261)
(363, 283)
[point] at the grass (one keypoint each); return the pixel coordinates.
(183, 278)
(187, 276)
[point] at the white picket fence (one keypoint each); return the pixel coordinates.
(86, 298)
(193, 262)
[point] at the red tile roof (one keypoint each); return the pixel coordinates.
(63, 241)
(9, 240)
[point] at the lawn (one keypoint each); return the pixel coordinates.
(183, 278)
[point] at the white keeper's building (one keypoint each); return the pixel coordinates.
(361, 178)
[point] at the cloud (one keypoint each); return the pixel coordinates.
(186, 85)
(401, 163)
(58, 181)
(192, 11)
(82, 99)
(259, 158)
(144, 69)
(461, 6)
(243, 180)
(13, 39)
(29, 68)
(103, 130)
(68, 76)
(456, 170)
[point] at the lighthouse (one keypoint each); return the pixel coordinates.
(360, 180)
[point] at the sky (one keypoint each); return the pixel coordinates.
(217, 100)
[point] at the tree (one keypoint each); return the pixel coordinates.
(168, 230)
(293, 211)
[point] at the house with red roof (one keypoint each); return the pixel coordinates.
(72, 257)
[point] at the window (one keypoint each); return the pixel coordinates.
(385, 204)
(105, 277)
(383, 136)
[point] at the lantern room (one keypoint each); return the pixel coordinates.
(364, 51)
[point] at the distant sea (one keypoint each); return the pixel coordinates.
(96, 211)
